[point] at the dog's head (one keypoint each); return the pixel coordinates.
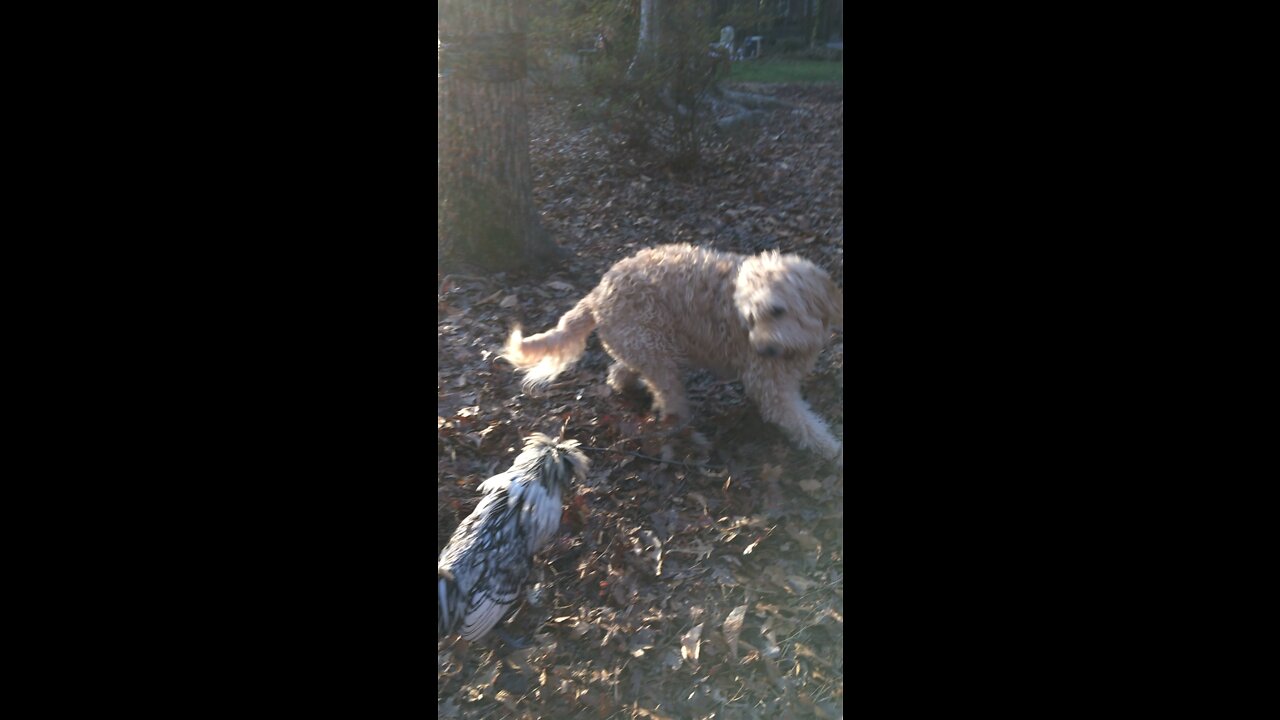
(787, 304)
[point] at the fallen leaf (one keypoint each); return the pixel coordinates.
(641, 641)
(671, 660)
(507, 700)
(690, 643)
(800, 584)
(509, 301)
(700, 498)
(803, 651)
(733, 628)
(770, 647)
(652, 713)
(723, 576)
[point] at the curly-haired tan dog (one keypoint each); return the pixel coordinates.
(761, 318)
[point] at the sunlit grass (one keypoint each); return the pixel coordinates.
(787, 71)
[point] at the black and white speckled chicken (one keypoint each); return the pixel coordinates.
(483, 568)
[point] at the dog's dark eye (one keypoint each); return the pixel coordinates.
(777, 311)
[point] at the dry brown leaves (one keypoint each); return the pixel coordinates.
(713, 582)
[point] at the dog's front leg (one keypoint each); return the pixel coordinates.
(783, 406)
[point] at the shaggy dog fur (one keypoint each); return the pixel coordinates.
(763, 319)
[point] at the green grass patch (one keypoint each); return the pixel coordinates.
(787, 71)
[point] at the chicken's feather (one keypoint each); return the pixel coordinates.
(485, 564)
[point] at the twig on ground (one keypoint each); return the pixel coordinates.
(659, 460)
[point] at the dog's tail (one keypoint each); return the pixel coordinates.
(544, 356)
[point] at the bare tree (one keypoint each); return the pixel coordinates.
(485, 211)
(650, 35)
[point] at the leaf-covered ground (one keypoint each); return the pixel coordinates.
(707, 585)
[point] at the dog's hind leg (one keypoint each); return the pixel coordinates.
(655, 365)
(622, 378)
(664, 381)
(626, 384)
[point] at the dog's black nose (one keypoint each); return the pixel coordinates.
(770, 351)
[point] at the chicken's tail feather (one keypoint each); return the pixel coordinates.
(449, 599)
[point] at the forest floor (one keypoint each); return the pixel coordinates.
(709, 586)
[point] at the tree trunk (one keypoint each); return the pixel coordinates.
(650, 35)
(819, 11)
(485, 211)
